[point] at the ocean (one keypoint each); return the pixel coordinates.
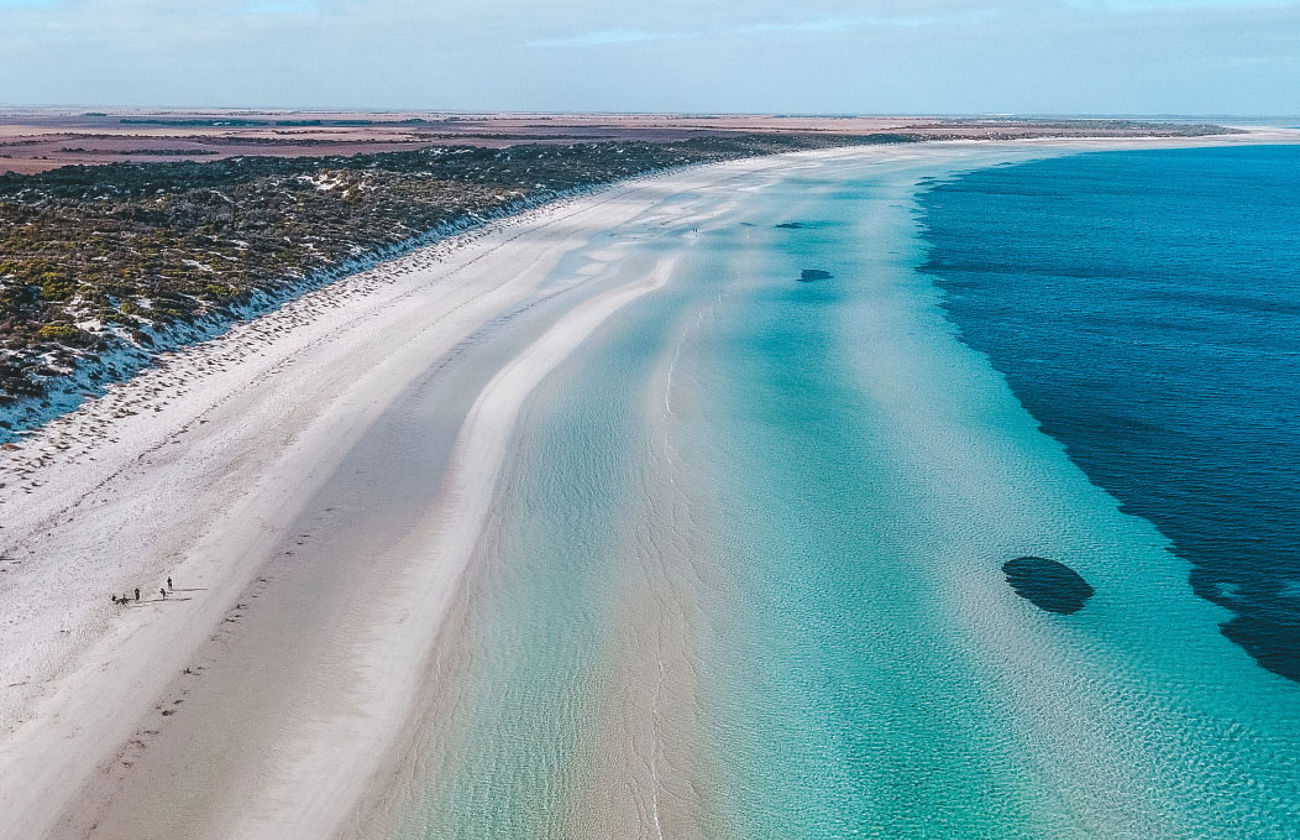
(1145, 308)
(746, 577)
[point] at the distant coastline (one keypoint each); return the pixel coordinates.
(105, 267)
(108, 266)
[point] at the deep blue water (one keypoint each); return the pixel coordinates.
(1145, 308)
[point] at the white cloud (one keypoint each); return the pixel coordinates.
(605, 37)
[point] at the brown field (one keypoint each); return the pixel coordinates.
(34, 140)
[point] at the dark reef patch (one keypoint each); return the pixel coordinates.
(791, 226)
(1047, 584)
(811, 274)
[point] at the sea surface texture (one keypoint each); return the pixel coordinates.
(1145, 308)
(782, 553)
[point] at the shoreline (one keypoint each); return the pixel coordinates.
(124, 307)
(292, 394)
(114, 474)
(92, 374)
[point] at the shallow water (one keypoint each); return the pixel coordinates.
(746, 575)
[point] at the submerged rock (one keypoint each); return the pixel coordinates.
(1047, 584)
(811, 274)
(791, 225)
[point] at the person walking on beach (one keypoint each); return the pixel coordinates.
(137, 593)
(162, 592)
(169, 584)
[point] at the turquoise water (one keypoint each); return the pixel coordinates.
(746, 579)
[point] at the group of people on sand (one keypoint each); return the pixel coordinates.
(126, 599)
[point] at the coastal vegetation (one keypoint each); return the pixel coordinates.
(126, 256)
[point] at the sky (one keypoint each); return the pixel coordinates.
(1214, 57)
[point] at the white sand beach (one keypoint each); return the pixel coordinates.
(315, 484)
(198, 471)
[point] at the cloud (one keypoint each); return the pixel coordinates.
(838, 24)
(954, 13)
(826, 24)
(276, 7)
(1138, 6)
(606, 37)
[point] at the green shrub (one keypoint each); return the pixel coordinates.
(218, 292)
(62, 333)
(56, 286)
